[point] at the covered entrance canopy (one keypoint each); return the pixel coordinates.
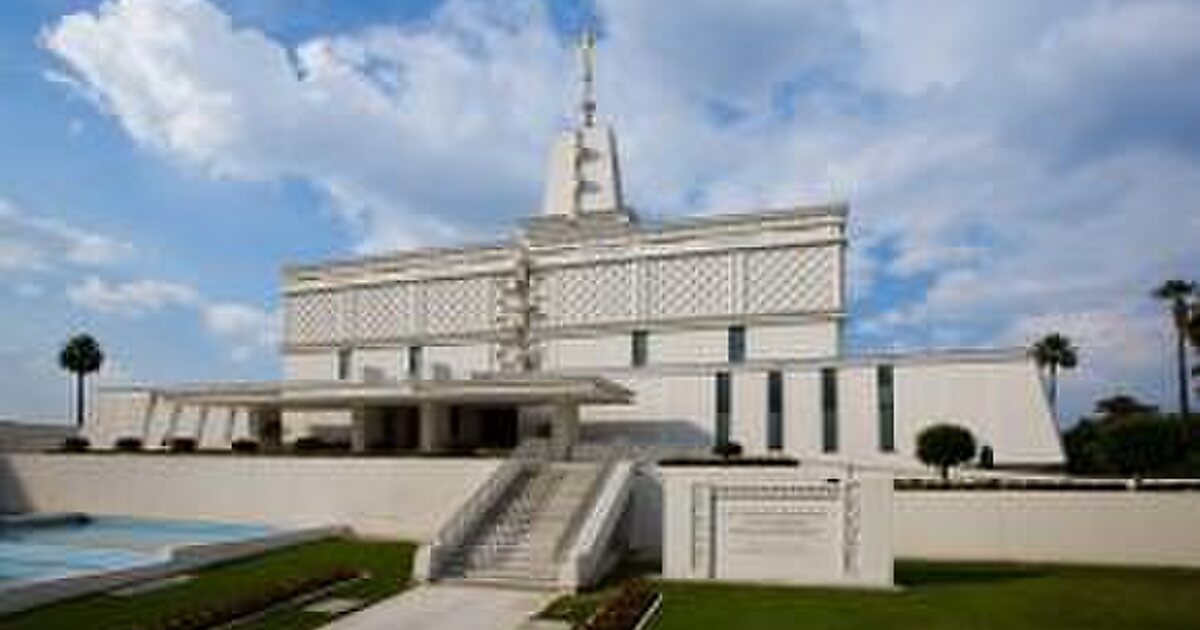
(496, 410)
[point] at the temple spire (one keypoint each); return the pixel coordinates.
(587, 62)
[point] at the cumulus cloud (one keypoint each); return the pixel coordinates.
(32, 242)
(133, 299)
(392, 124)
(244, 328)
(1012, 165)
(247, 329)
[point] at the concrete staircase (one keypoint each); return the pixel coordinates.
(521, 541)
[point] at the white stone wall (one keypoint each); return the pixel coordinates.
(806, 340)
(458, 361)
(386, 497)
(1121, 528)
(999, 399)
(135, 413)
(601, 351)
(310, 365)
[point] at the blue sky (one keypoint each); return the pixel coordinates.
(1012, 167)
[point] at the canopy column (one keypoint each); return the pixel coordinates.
(434, 418)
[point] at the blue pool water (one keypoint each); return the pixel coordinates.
(39, 551)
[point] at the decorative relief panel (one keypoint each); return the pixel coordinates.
(588, 295)
(384, 312)
(791, 280)
(312, 318)
(691, 286)
(457, 305)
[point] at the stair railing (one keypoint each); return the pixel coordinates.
(466, 519)
(608, 460)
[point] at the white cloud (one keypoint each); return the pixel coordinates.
(1016, 164)
(133, 298)
(246, 328)
(388, 123)
(30, 242)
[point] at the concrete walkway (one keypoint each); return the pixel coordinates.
(448, 607)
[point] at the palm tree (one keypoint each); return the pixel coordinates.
(1176, 293)
(1055, 351)
(80, 355)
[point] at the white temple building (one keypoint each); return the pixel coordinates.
(593, 324)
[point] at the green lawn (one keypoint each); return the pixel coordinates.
(942, 596)
(388, 563)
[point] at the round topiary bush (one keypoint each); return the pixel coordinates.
(244, 445)
(75, 444)
(945, 446)
(182, 445)
(987, 458)
(309, 444)
(128, 444)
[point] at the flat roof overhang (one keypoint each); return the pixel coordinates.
(491, 389)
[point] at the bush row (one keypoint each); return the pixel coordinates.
(1045, 485)
(250, 603)
(624, 609)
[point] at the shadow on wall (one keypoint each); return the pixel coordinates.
(679, 433)
(13, 498)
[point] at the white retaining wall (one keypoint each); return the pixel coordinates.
(1093, 527)
(404, 498)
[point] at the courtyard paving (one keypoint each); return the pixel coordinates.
(449, 607)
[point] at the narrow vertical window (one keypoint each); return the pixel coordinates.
(638, 347)
(344, 357)
(886, 389)
(737, 344)
(829, 410)
(774, 411)
(414, 361)
(724, 404)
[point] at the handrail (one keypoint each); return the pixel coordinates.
(459, 526)
(609, 460)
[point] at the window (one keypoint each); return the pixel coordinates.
(829, 410)
(344, 357)
(638, 347)
(724, 403)
(774, 411)
(414, 361)
(737, 344)
(885, 390)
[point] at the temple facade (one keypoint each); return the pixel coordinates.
(590, 323)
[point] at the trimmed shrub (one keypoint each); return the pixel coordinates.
(727, 449)
(987, 458)
(624, 609)
(182, 445)
(1141, 445)
(945, 446)
(244, 445)
(310, 444)
(75, 444)
(128, 444)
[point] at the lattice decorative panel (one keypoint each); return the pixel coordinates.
(383, 312)
(588, 295)
(312, 318)
(791, 280)
(458, 305)
(690, 286)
